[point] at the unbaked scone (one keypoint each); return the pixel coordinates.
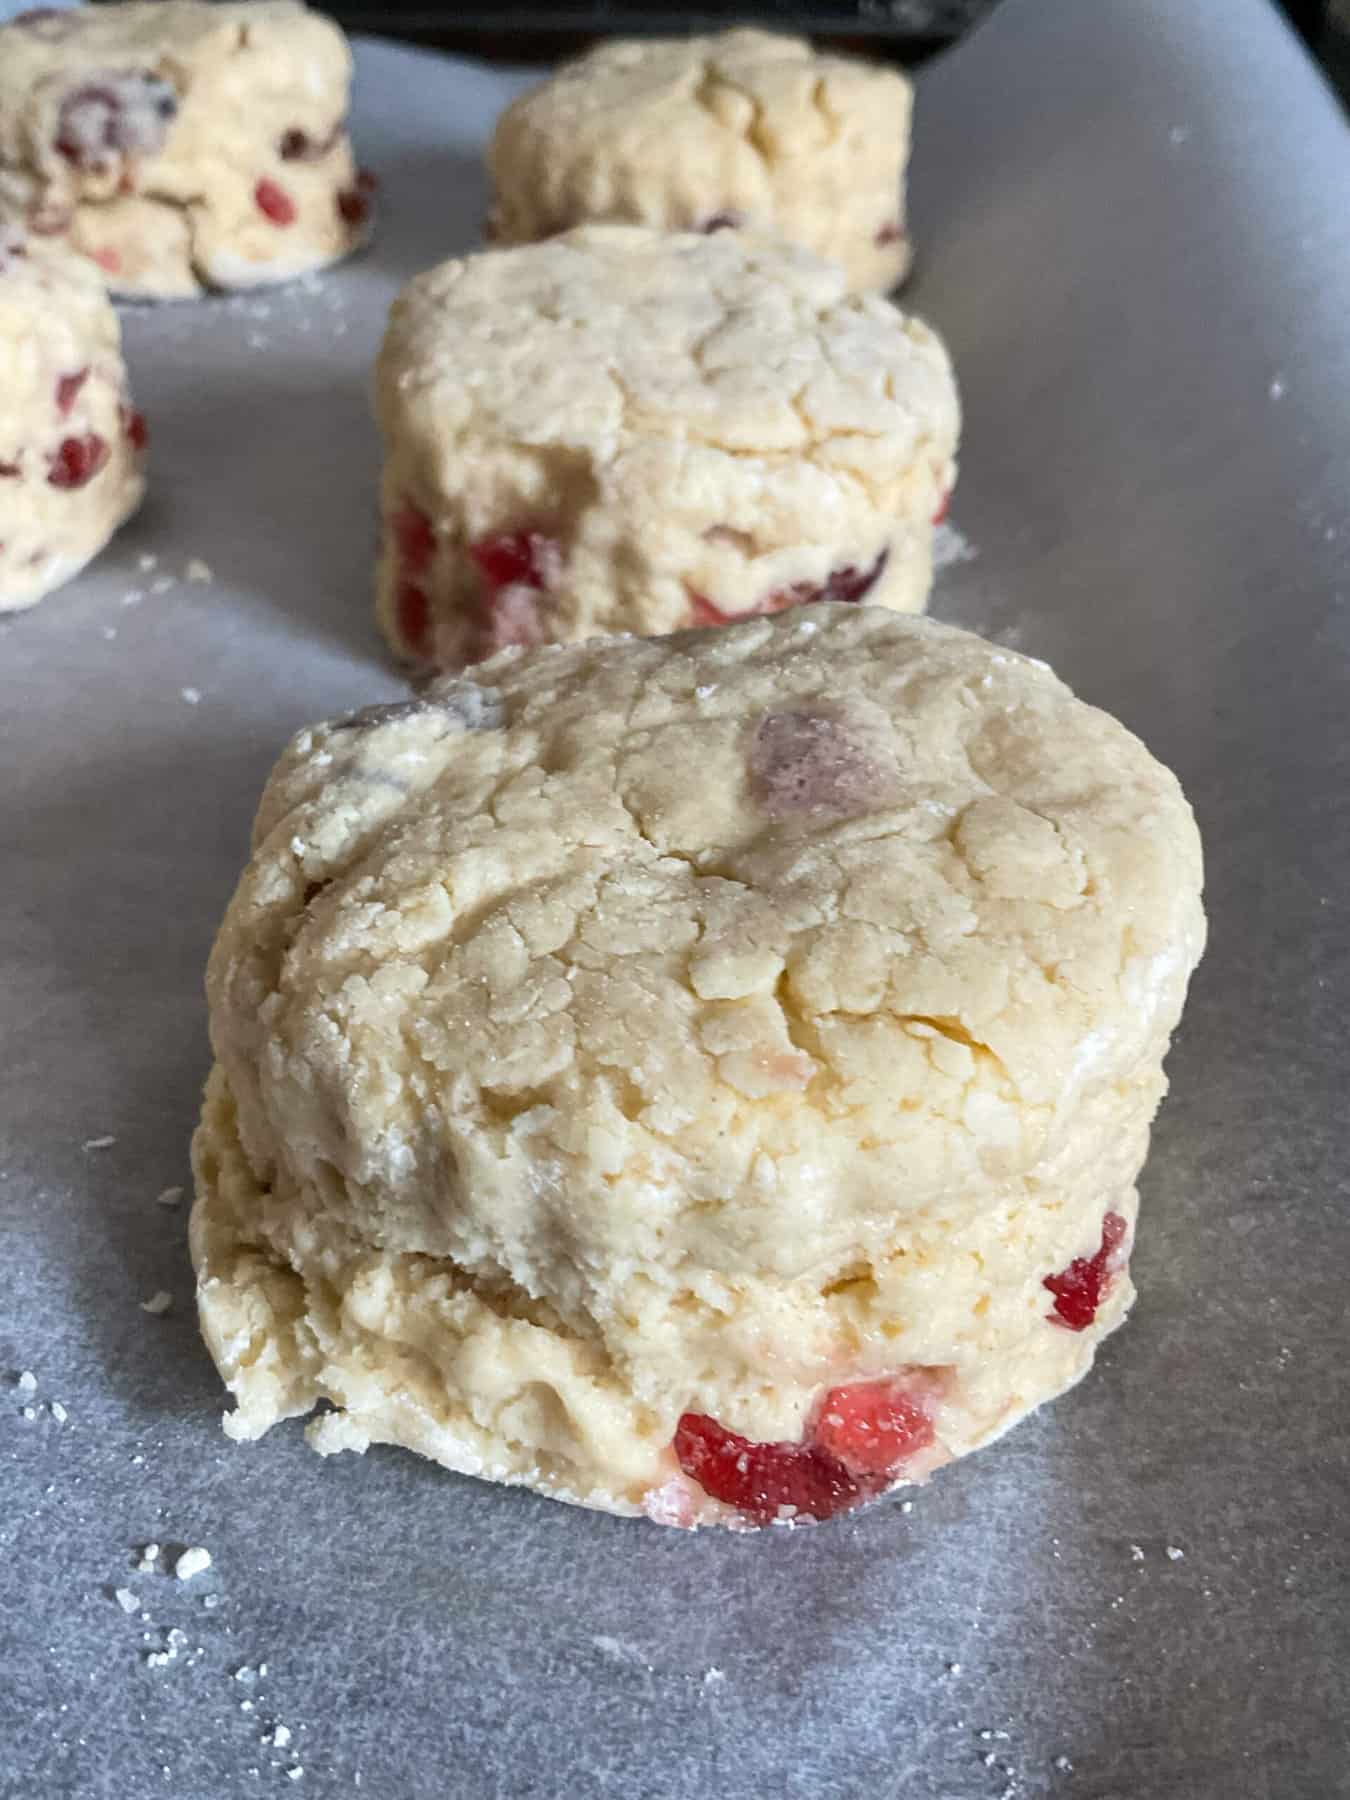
(182, 145)
(628, 431)
(707, 133)
(71, 442)
(702, 1077)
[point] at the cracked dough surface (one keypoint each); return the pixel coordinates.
(686, 134)
(182, 145)
(70, 457)
(697, 427)
(630, 1029)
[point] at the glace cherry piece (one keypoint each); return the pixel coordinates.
(414, 537)
(413, 611)
(274, 202)
(760, 1479)
(863, 1435)
(67, 390)
(847, 584)
(77, 461)
(513, 556)
(872, 1427)
(1080, 1288)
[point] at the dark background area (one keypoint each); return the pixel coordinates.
(910, 30)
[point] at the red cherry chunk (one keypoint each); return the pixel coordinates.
(1080, 1289)
(133, 423)
(512, 557)
(761, 1479)
(412, 610)
(67, 390)
(872, 1427)
(353, 206)
(414, 537)
(943, 506)
(274, 202)
(892, 232)
(8, 470)
(77, 461)
(107, 259)
(845, 584)
(863, 1435)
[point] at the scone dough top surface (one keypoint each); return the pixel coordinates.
(691, 133)
(656, 960)
(619, 342)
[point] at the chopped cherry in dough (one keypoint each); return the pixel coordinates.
(863, 1435)
(846, 584)
(414, 617)
(1080, 1289)
(67, 390)
(274, 202)
(509, 557)
(77, 460)
(415, 538)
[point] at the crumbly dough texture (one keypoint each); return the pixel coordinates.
(696, 428)
(70, 455)
(689, 134)
(182, 145)
(632, 1029)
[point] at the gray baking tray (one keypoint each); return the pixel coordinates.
(1134, 231)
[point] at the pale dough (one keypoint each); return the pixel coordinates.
(744, 128)
(182, 145)
(629, 1033)
(628, 431)
(71, 440)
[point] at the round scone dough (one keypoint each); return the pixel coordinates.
(71, 442)
(628, 431)
(182, 145)
(702, 1077)
(709, 133)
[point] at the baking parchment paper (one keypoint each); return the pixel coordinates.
(1133, 229)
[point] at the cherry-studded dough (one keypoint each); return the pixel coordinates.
(628, 431)
(71, 440)
(742, 129)
(704, 1077)
(182, 145)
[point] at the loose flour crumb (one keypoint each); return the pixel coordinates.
(99, 1143)
(1174, 1554)
(126, 1600)
(27, 1382)
(158, 1303)
(950, 547)
(197, 570)
(192, 695)
(194, 1561)
(58, 1412)
(168, 1196)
